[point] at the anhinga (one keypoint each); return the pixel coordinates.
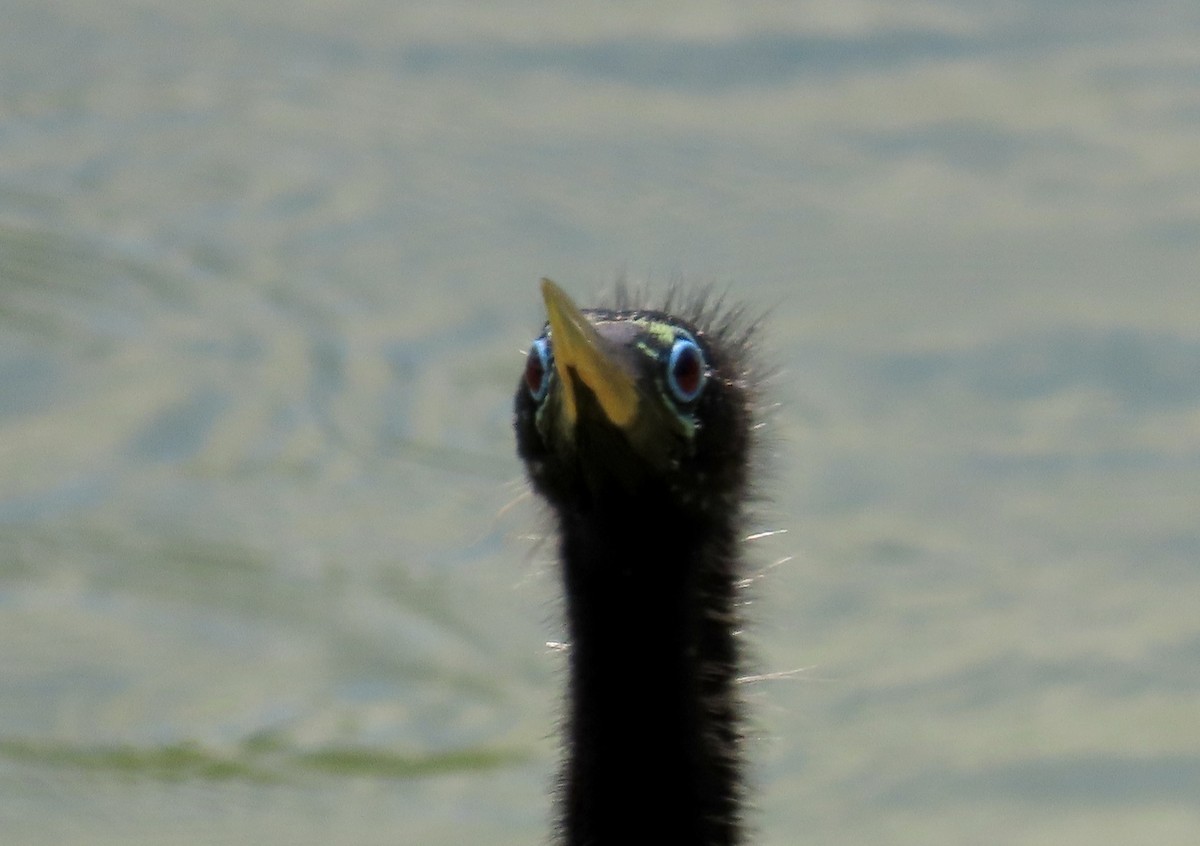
(636, 425)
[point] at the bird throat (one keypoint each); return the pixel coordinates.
(653, 732)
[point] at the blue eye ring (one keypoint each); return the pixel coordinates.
(687, 371)
(539, 366)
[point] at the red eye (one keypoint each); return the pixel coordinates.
(686, 370)
(538, 366)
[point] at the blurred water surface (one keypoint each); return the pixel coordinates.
(267, 273)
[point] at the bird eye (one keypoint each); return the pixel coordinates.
(686, 370)
(539, 364)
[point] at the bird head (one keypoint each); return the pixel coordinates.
(631, 406)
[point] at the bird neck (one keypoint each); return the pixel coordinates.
(653, 727)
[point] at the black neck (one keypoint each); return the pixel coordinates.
(653, 723)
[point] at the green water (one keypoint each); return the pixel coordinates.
(267, 276)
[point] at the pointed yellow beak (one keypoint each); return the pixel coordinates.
(579, 349)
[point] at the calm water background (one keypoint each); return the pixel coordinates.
(267, 273)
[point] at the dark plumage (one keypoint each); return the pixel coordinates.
(635, 426)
